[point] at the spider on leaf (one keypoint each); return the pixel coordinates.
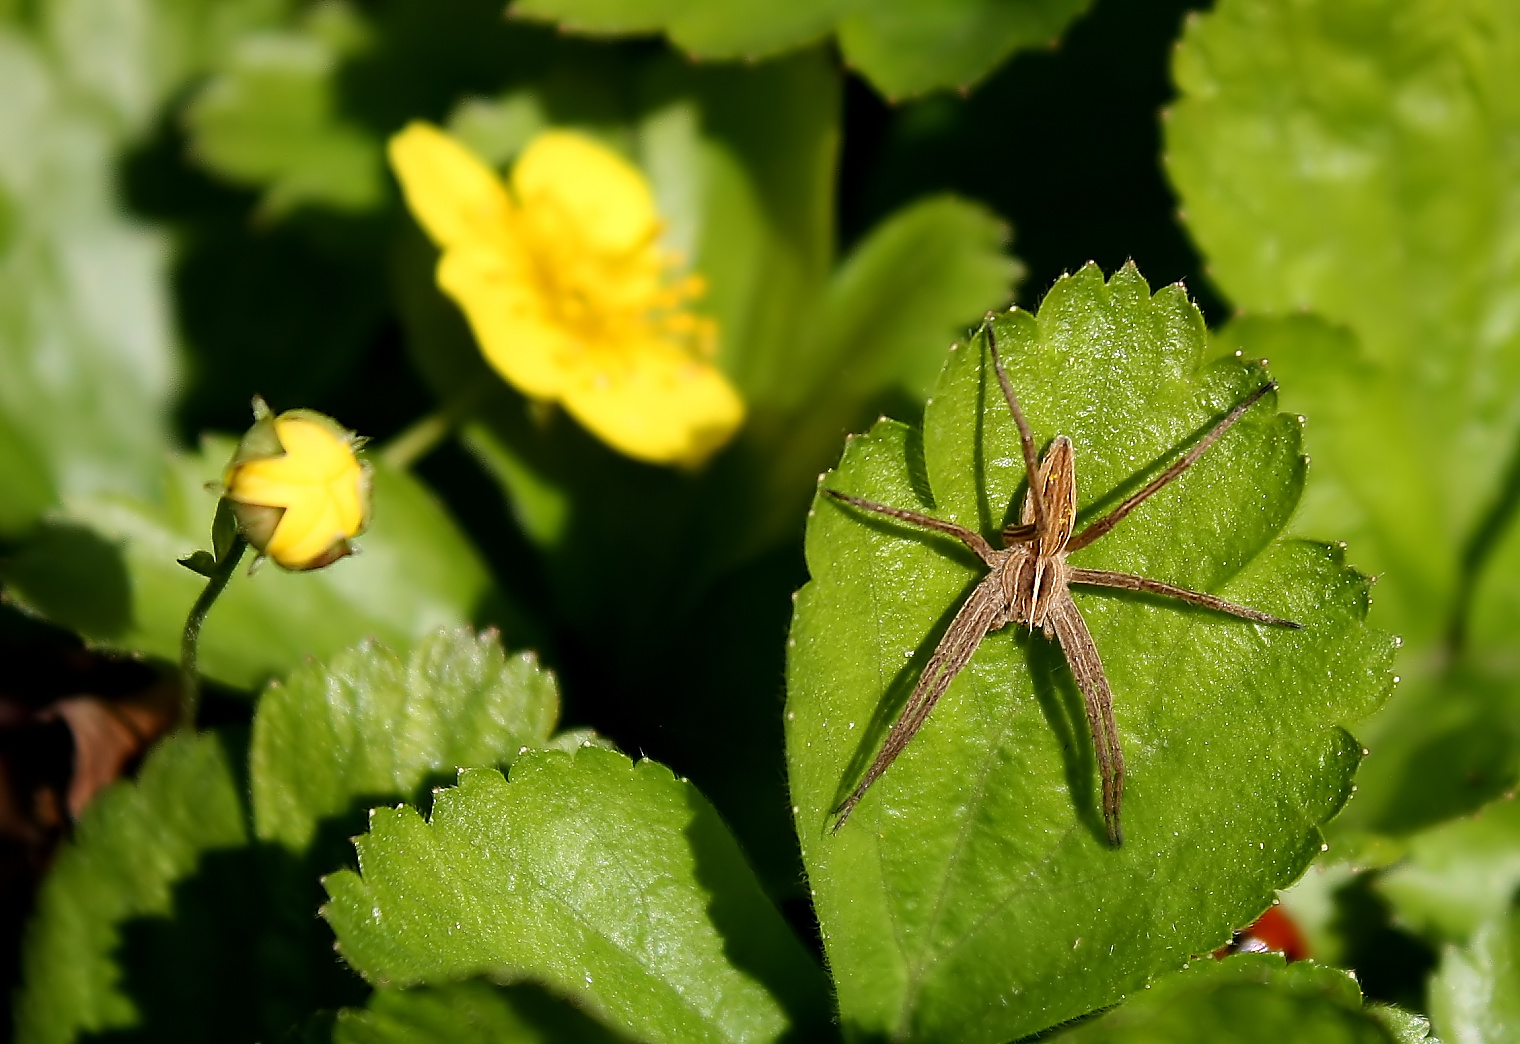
(1029, 585)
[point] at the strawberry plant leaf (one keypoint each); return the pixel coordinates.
(1450, 741)
(107, 567)
(270, 118)
(613, 883)
(368, 722)
(469, 1012)
(185, 909)
(87, 342)
(1458, 875)
(1358, 166)
(967, 898)
(136, 845)
(903, 47)
(1475, 995)
(1250, 998)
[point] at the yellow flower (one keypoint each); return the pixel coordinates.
(561, 276)
(298, 491)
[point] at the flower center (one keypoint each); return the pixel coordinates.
(609, 297)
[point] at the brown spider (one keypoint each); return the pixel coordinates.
(1029, 585)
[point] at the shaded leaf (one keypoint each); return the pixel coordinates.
(270, 118)
(972, 896)
(135, 844)
(1245, 999)
(611, 882)
(902, 47)
(469, 1012)
(1475, 996)
(1458, 875)
(185, 911)
(107, 567)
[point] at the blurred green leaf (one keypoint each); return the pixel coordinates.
(86, 341)
(84, 333)
(1359, 165)
(1475, 997)
(107, 567)
(1450, 740)
(611, 882)
(124, 59)
(1246, 999)
(902, 47)
(270, 118)
(469, 1012)
(184, 912)
(968, 896)
(1458, 875)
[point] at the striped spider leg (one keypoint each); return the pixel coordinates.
(1028, 584)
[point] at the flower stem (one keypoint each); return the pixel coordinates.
(190, 679)
(424, 435)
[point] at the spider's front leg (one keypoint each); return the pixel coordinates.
(970, 538)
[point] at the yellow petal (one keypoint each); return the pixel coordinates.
(456, 198)
(605, 195)
(659, 405)
(318, 481)
(509, 317)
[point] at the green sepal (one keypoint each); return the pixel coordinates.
(202, 562)
(224, 530)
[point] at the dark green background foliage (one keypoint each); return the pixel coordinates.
(405, 828)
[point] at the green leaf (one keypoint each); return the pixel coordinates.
(270, 118)
(470, 1012)
(969, 894)
(919, 277)
(121, 878)
(915, 283)
(126, 58)
(83, 310)
(903, 47)
(1475, 996)
(1450, 739)
(368, 722)
(1358, 165)
(1458, 875)
(86, 340)
(610, 882)
(1246, 999)
(185, 909)
(107, 568)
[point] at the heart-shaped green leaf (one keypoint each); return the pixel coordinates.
(180, 913)
(613, 883)
(972, 897)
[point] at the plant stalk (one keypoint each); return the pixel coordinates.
(189, 646)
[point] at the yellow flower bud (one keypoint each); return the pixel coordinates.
(296, 488)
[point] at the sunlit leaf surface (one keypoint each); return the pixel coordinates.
(972, 897)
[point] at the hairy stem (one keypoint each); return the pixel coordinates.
(189, 645)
